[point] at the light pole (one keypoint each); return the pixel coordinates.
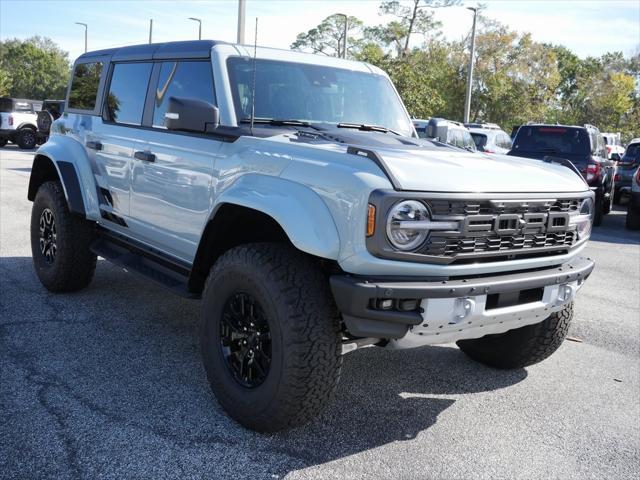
(344, 46)
(85, 35)
(467, 98)
(199, 26)
(151, 30)
(241, 15)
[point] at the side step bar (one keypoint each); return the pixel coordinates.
(135, 258)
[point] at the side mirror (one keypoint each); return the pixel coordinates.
(191, 115)
(615, 157)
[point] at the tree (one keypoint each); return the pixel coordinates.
(412, 19)
(34, 68)
(328, 37)
(5, 83)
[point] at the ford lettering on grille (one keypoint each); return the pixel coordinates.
(513, 223)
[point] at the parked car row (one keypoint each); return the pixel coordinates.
(605, 165)
(27, 122)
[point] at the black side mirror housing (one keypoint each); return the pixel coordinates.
(615, 157)
(191, 115)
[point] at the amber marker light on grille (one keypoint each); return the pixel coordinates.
(371, 220)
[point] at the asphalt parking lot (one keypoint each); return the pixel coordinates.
(108, 383)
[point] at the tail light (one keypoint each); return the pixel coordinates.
(488, 151)
(592, 172)
(10, 120)
(609, 147)
(638, 177)
(616, 177)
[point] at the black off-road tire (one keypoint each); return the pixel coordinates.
(632, 221)
(26, 139)
(523, 346)
(305, 336)
(617, 197)
(74, 264)
(598, 211)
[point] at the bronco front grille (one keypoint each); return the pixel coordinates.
(488, 227)
(451, 246)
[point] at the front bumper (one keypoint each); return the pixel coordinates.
(359, 298)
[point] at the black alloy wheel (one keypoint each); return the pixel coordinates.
(48, 236)
(245, 339)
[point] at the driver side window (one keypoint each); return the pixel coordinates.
(185, 79)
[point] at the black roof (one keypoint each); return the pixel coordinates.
(154, 51)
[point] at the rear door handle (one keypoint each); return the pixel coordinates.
(145, 156)
(94, 145)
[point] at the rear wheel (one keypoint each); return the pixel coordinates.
(60, 242)
(523, 346)
(26, 139)
(632, 222)
(271, 342)
(3, 142)
(598, 214)
(617, 197)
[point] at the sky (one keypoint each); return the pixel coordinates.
(587, 27)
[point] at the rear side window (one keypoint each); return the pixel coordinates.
(186, 79)
(479, 139)
(504, 141)
(127, 92)
(633, 151)
(552, 140)
(84, 86)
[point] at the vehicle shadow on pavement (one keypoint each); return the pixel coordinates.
(111, 376)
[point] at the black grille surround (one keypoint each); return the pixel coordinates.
(491, 227)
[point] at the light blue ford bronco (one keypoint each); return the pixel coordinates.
(290, 193)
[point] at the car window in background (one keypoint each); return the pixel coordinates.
(127, 92)
(505, 141)
(84, 86)
(467, 140)
(480, 140)
(186, 79)
(631, 154)
(552, 140)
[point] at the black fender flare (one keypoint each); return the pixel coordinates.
(44, 169)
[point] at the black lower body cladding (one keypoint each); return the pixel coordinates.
(357, 297)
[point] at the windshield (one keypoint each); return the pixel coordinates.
(552, 140)
(315, 94)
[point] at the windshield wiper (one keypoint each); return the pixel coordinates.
(367, 128)
(280, 122)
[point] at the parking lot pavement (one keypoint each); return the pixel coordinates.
(108, 383)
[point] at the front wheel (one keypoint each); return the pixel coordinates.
(522, 346)
(270, 341)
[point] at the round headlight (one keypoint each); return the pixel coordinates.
(586, 207)
(584, 218)
(399, 231)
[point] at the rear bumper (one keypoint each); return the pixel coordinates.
(357, 297)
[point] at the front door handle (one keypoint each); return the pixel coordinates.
(94, 145)
(145, 156)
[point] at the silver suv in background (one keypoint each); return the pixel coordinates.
(449, 132)
(489, 137)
